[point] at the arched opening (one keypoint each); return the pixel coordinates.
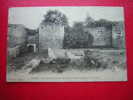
(31, 48)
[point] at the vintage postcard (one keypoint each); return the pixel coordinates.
(66, 44)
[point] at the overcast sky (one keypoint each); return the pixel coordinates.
(31, 17)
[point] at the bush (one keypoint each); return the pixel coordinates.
(90, 61)
(60, 61)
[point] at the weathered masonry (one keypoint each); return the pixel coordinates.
(51, 36)
(102, 36)
(17, 37)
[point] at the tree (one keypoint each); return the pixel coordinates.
(55, 17)
(78, 26)
(104, 22)
(89, 21)
(76, 37)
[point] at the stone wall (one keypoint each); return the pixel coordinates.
(17, 38)
(102, 36)
(118, 36)
(51, 36)
(17, 35)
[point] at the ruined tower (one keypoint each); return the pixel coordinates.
(51, 30)
(50, 36)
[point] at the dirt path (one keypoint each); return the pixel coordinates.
(74, 75)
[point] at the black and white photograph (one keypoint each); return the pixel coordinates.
(66, 44)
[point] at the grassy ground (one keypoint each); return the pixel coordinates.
(114, 60)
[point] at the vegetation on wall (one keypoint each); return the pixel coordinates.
(76, 37)
(55, 17)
